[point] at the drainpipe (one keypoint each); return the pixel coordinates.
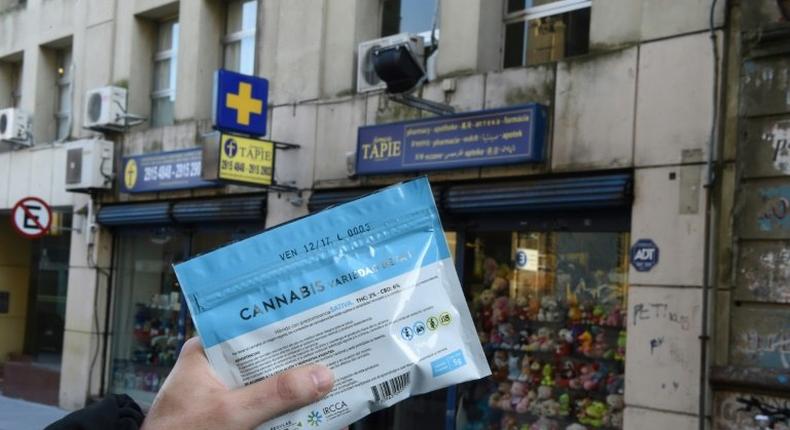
(709, 236)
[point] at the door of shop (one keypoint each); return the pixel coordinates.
(151, 320)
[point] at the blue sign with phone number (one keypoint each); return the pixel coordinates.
(163, 171)
(471, 139)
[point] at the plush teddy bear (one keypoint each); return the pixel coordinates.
(483, 309)
(585, 343)
(599, 345)
(514, 370)
(615, 383)
(594, 414)
(500, 311)
(522, 308)
(509, 422)
(505, 398)
(524, 404)
(525, 370)
(567, 373)
(544, 394)
(499, 366)
(565, 405)
(548, 375)
(615, 317)
(517, 392)
(564, 342)
(545, 424)
(545, 339)
(614, 415)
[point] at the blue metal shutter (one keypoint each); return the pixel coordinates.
(134, 214)
(601, 191)
(218, 210)
(234, 209)
(321, 200)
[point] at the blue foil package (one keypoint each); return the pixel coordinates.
(367, 288)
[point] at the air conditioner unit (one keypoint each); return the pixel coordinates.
(89, 165)
(105, 109)
(367, 79)
(15, 126)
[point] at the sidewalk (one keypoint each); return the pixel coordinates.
(21, 415)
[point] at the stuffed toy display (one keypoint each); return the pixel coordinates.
(556, 355)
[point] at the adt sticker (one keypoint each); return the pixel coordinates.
(644, 255)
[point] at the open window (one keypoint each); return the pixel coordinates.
(541, 31)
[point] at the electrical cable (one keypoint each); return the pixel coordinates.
(708, 237)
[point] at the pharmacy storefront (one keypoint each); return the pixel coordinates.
(543, 261)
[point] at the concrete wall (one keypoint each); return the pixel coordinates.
(14, 280)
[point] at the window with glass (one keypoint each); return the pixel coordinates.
(151, 320)
(163, 95)
(16, 84)
(65, 71)
(549, 308)
(46, 315)
(239, 39)
(541, 31)
(407, 16)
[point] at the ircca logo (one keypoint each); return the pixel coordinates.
(314, 418)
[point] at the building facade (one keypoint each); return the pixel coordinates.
(665, 138)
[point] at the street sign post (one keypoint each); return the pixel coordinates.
(31, 217)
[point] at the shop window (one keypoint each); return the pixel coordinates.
(163, 95)
(16, 84)
(540, 31)
(239, 39)
(151, 319)
(65, 70)
(407, 16)
(550, 309)
(11, 81)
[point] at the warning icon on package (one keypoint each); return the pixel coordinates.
(444, 318)
(407, 333)
(433, 323)
(419, 328)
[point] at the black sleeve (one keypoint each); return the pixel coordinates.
(116, 411)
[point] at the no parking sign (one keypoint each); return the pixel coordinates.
(31, 217)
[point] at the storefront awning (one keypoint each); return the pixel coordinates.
(583, 192)
(236, 209)
(321, 200)
(569, 193)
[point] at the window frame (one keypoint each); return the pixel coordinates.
(64, 82)
(16, 84)
(161, 56)
(526, 15)
(230, 38)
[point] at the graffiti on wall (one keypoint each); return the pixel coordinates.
(775, 212)
(766, 86)
(778, 137)
(739, 411)
(658, 311)
(764, 273)
(761, 336)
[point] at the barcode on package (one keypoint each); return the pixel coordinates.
(389, 389)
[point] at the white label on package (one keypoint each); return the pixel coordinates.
(367, 288)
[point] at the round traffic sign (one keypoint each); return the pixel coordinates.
(31, 217)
